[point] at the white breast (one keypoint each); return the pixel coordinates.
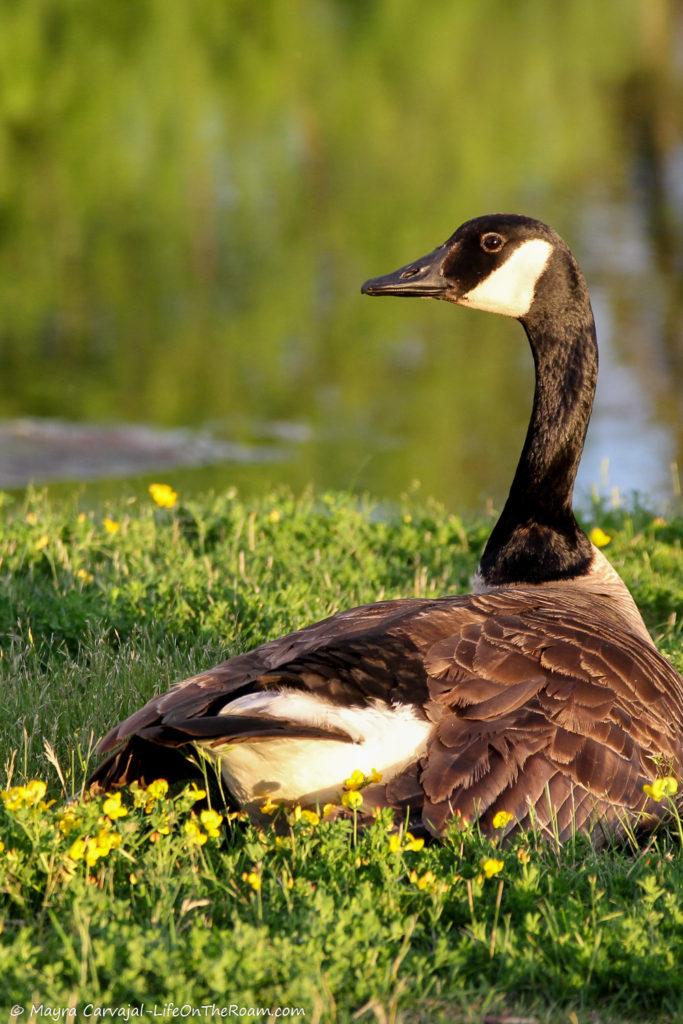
(310, 771)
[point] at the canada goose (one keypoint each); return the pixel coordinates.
(541, 694)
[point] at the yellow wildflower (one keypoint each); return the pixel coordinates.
(237, 816)
(353, 800)
(34, 791)
(490, 866)
(211, 820)
(194, 792)
(133, 878)
(274, 516)
(328, 809)
(112, 807)
(77, 849)
(502, 818)
(269, 806)
(84, 576)
(2, 846)
(163, 495)
(374, 776)
(24, 796)
(42, 542)
(660, 788)
(253, 879)
(310, 817)
(13, 798)
(111, 525)
(411, 843)
(523, 856)
(31, 518)
(598, 537)
(100, 846)
(138, 793)
(157, 790)
(67, 821)
(425, 881)
(355, 780)
(164, 826)
(194, 834)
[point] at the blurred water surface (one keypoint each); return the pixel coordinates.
(191, 194)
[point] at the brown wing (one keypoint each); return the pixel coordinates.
(352, 658)
(550, 710)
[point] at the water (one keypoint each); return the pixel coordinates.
(192, 194)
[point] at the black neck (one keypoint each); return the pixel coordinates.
(537, 538)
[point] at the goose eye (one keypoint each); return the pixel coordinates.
(491, 242)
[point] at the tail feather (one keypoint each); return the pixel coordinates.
(143, 761)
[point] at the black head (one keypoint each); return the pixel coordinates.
(503, 263)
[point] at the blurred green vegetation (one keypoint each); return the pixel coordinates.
(191, 194)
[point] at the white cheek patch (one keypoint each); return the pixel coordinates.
(509, 290)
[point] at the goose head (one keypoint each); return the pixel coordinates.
(502, 263)
(519, 267)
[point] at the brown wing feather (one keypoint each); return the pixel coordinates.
(547, 705)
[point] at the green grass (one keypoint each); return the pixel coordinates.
(92, 622)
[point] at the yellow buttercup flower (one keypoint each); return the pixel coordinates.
(112, 807)
(2, 846)
(269, 806)
(658, 789)
(111, 525)
(77, 849)
(310, 817)
(34, 791)
(42, 542)
(163, 495)
(408, 842)
(598, 537)
(355, 780)
(502, 818)
(352, 799)
(425, 881)
(194, 834)
(411, 843)
(490, 866)
(523, 856)
(253, 879)
(212, 821)
(84, 576)
(67, 821)
(274, 516)
(101, 845)
(194, 792)
(328, 809)
(158, 789)
(29, 795)
(237, 816)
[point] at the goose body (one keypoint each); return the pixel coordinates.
(540, 694)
